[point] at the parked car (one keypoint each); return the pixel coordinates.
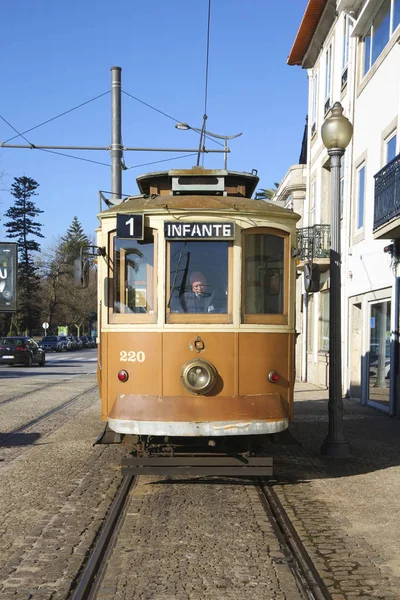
(78, 343)
(85, 341)
(373, 368)
(21, 350)
(92, 341)
(51, 343)
(70, 342)
(64, 343)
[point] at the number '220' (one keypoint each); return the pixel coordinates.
(132, 356)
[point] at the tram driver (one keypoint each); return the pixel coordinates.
(198, 299)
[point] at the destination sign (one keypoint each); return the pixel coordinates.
(130, 227)
(174, 230)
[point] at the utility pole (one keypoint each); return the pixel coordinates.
(116, 138)
(116, 147)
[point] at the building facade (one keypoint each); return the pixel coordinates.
(350, 50)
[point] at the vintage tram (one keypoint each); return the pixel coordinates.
(196, 318)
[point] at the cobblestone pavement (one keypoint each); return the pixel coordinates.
(194, 540)
(345, 510)
(53, 498)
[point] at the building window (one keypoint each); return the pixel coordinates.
(390, 147)
(314, 104)
(383, 25)
(324, 322)
(328, 79)
(396, 14)
(310, 323)
(312, 203)
(345, 57)
(360, 196)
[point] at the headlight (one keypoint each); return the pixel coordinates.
(198, 376)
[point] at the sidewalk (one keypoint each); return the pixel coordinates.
(345, 510)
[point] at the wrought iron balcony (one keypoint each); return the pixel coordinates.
(387, 196)
(314, 242)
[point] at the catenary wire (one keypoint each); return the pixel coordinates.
(51, 151)
(161, 161)
(166, 115)
(58, 116)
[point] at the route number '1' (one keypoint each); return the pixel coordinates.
(130, 227)
(131, 356)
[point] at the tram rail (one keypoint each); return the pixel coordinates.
(90, 576)
(87, 583)
(296, 555)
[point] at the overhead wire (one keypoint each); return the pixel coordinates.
(166, 115)
(161, 161)
(58, 116)
(48, 150)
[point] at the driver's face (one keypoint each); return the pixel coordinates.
(199, 286)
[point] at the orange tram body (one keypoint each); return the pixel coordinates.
(196, 316)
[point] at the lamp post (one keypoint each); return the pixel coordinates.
(336, 134)
(185, 127)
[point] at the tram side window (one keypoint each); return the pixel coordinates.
(264, 274)
(198, 277)
(134, 275)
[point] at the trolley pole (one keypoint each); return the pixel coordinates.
(116, 137)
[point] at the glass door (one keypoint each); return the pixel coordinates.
(379, 355)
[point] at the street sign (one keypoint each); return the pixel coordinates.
(45, 325)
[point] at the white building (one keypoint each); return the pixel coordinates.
(351, 51)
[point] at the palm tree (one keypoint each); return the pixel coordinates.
(267, 193)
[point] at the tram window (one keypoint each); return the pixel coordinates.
(134, 276)
(198, 277)
(264, 275)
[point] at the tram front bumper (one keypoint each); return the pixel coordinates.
(194, 416)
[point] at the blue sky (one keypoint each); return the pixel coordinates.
(57, 55)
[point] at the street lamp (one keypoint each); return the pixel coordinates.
(336, 134)
(203, 132)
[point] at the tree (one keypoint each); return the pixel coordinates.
(267, 193)
(21, 226)
(72, 241)
(63, 303)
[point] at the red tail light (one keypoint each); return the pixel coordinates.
(20, 348)
(273, 376)
(123, 376)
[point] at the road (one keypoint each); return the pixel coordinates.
(58, 366)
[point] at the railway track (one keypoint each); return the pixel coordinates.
(90, 576)
(306, 575)
(310, 585)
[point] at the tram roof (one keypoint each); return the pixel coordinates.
(198, 189)
(232, 178)
(211, 203)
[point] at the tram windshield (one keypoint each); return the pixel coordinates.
(198, 278)
(134, 275)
